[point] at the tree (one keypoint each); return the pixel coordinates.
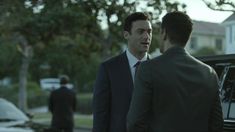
(9, 60)
(29, 29)
(71, 27)
(114, 12)
(10, 28)
(221, 5)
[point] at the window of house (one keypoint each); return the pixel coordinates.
(218, 44)
(193, 43)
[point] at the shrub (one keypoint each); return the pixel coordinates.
(84, 103)
(35, 96)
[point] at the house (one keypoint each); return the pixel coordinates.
(207, 34)
(229, 24)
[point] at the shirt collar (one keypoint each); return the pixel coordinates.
(133, 60)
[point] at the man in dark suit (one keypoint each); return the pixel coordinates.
(114, 82)
(62, 104)
(175, 92)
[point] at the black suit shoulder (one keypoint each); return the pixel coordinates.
(114, 60)
(63, 91)
(202, 65)
(154, 61)
(165, 58)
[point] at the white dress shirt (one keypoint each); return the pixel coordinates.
(132, 61)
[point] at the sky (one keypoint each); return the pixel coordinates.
(198, 10)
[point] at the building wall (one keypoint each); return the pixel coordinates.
(230, 38)
(198, 41)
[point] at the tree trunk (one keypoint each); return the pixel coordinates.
(23, 84)
(26, 51)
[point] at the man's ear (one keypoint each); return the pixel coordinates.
(164, 34)
(126, 34)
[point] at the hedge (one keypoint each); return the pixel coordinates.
(84, 103)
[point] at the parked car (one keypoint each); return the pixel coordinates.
(224, 65)
(14, 120)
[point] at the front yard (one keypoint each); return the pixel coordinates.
(81, 121)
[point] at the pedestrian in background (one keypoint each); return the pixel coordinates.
(62, 105)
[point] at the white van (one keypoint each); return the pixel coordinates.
(52, 84)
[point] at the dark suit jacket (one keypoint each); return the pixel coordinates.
(62, 104)
(175, 93)
(112, 95)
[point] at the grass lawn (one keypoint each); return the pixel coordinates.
(83, 121)
(85, 95)
(80, 120)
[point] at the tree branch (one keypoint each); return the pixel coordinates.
(221, 5)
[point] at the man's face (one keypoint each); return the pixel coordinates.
(140, 36)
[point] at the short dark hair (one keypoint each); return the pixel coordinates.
(134, 17)
(178, 27)
(64, 79)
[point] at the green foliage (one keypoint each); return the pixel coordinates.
(205, 51)
(84, 103)
(66, 35)
(9, 93)
(155, 37)
(36, 97)
(72, 57)
(9, 60)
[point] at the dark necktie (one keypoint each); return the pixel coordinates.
(137, 66)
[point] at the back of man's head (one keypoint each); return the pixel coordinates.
(64, 79)
(178, 27)
(134, 17)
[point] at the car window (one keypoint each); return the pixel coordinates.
(228, 92)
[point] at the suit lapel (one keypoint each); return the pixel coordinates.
(127, 78)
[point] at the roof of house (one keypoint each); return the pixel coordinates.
(230, 18)
(208, 28)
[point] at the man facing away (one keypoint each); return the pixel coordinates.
(175, 92)
(114, 82)
(62, 105)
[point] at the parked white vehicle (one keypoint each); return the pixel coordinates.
(12, 119)
(52, 84)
